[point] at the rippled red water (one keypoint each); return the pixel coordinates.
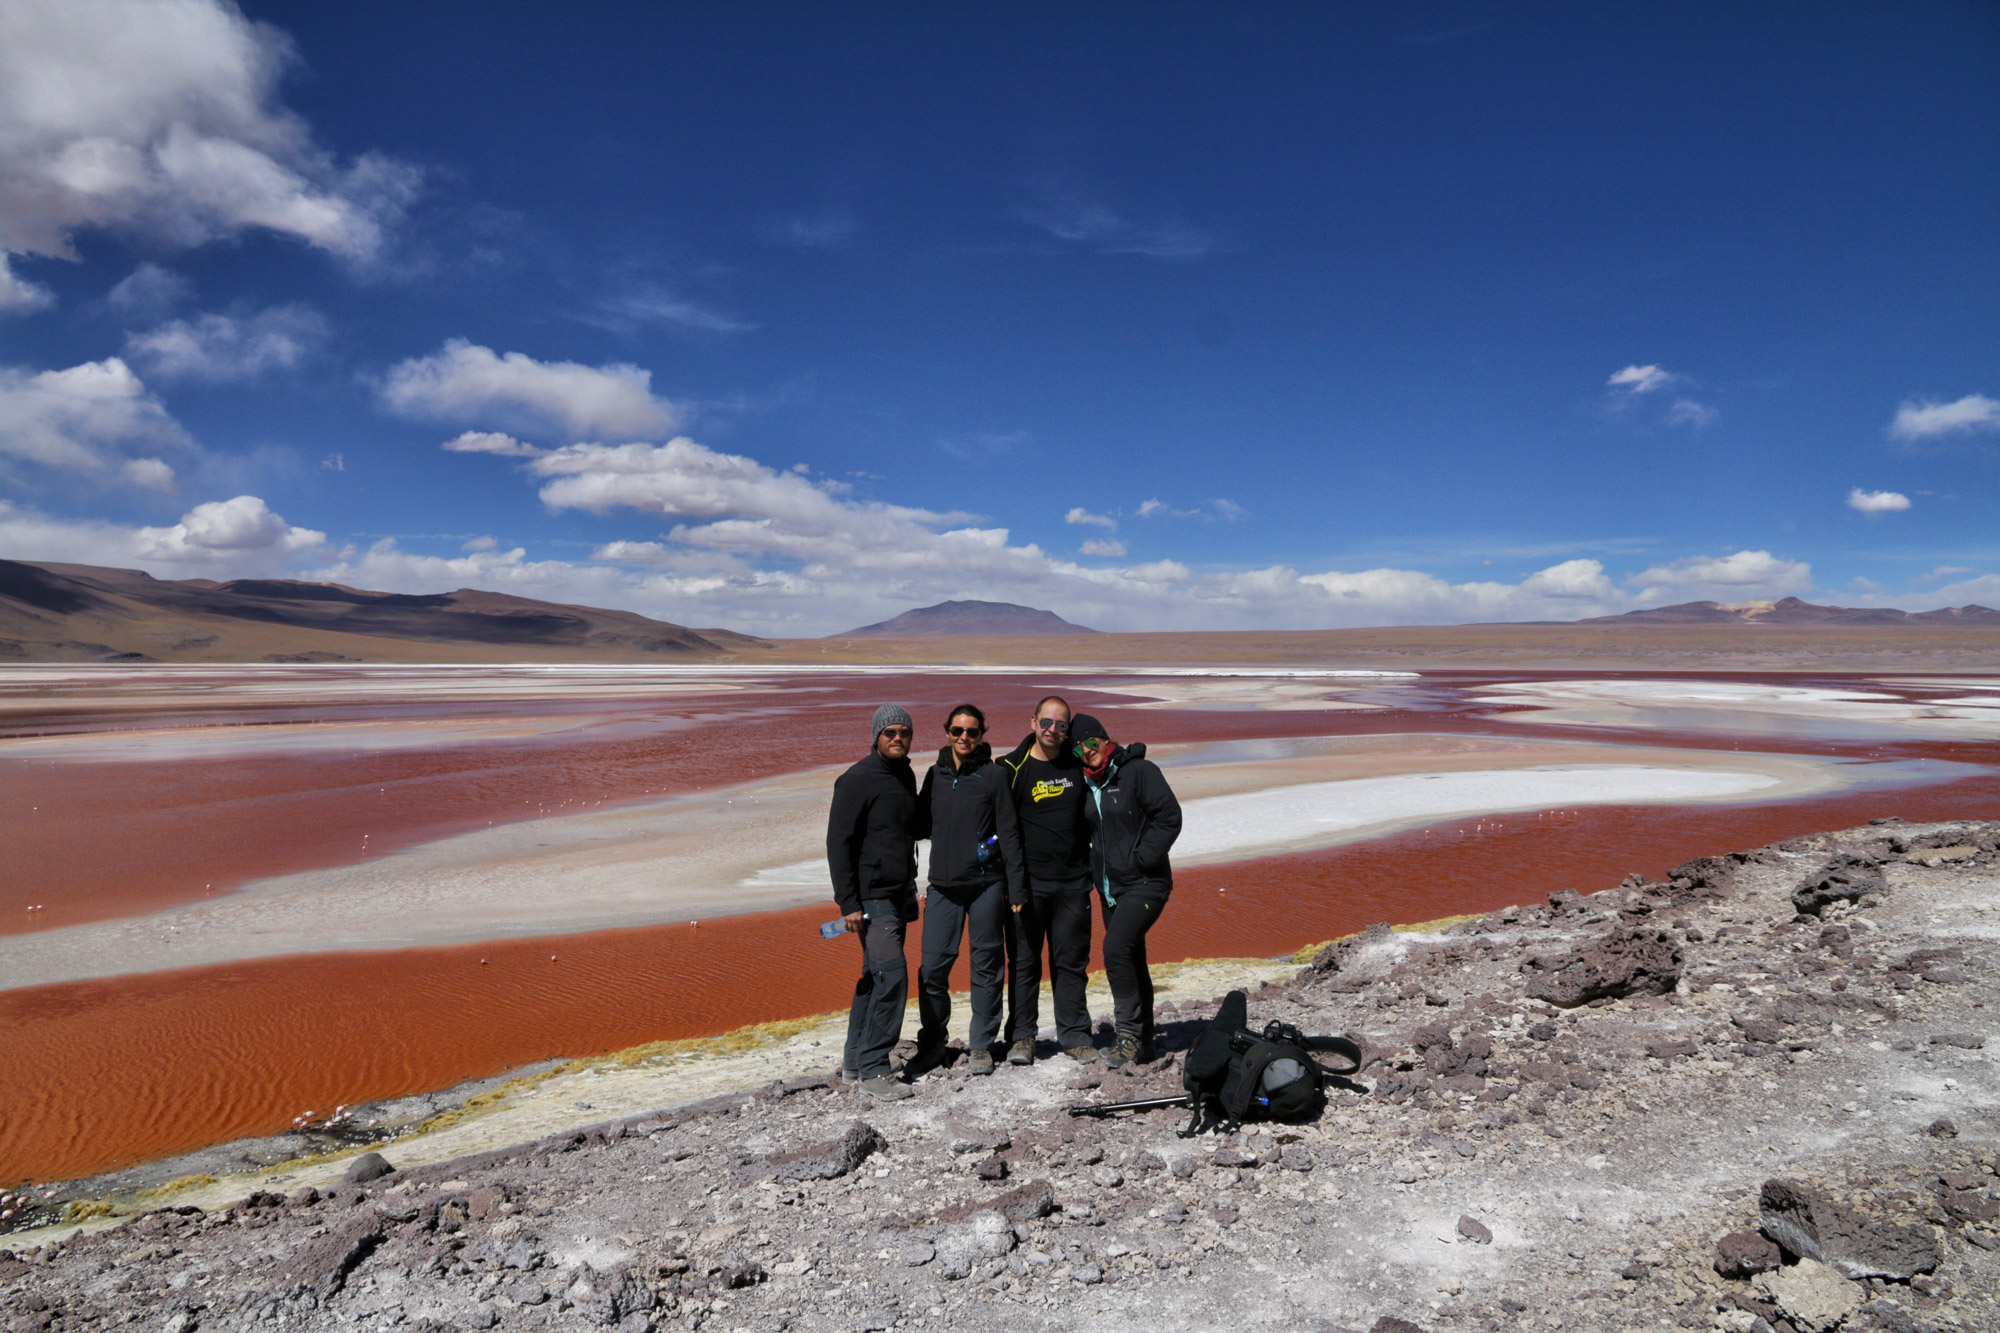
(104, 1073)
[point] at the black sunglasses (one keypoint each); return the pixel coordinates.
(966, 731)
(898, 733)
(1055, 724)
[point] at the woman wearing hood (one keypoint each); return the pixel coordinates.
(1134, 819)
(977, 876)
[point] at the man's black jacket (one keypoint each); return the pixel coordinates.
(872, 832)
(963, 807)
(1134, 819)
(1049, 800)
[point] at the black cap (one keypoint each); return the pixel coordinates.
(1083, 726)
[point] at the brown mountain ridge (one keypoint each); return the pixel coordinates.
(84, 613)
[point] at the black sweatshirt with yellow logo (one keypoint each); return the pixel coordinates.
(1048, 801)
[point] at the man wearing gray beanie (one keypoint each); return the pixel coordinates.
(871, 852)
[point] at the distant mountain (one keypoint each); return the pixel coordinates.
(1792, 611)
(79, 613)
(966, 618)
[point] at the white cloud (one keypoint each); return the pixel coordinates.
(489, 442)
(464, 381)
(1687, 412)
(1876, 502)
(1741, 575)
(221, 539)
(242, 525)
(1641, 379)
(1571, 578)
(1227, 509)
(89, 420)
(1148, 508)
(1080, 515)
(222, 348)
(149, 290)
(1093, 546)
(161, 119)
(18, 296)
(1091, 225)
(656, 306)
(1928, 420)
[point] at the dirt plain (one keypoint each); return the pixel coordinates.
(1598, 1113)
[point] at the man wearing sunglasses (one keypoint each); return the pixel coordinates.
(1048, 800)
(871, 851)
(1134, 818)
(975, 877)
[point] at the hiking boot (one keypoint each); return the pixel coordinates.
(1083, 1055)
(979, 1062)
(1124, 1053)
(886, 1088)
(1021, 1053)
(849, 1077)
(930, 1053)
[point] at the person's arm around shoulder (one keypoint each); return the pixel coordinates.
(846, 830)
(1162, 810)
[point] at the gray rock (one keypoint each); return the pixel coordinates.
(1296, 1159)
(525, 1291)
(982, 1237)
(1089, 1275)
(1970, 1041)
(522, 1254)
(1474, 1230)
(1626, 961)
(1810, 1294)
(1941, 1128)
(991, 1168)
(1848, 879)
(1105, 1177)
(1814, 1227)
(367, 1167)
(917, 1254)
(321, 1268)
(1023, 1203)
(828, 1161)
(614, 1295)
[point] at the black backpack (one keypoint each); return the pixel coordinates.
(1235, 1075)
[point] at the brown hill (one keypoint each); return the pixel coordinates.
(1792, 611)
(954, 619)
(81, 613)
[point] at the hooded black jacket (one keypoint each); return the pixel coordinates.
(963, 807)
(1134, 819)
(1053, 832)
(872, 832)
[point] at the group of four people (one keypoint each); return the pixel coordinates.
(1019, 847)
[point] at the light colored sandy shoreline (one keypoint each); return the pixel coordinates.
(710, 854)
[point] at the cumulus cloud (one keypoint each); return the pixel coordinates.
(1641, 379)
(160, 118)
(149, 291)
(1102, 548)
(1148, 508)
(1080, 515)
(232, 527)
(224, 538)
(1876, 502)
(1742, 575)
(466, 382)
(489, 442)
(221, 348)
(18, 296)
(1923, 420)
(96, 420)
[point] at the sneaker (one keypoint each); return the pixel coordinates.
(1021, 1053)
(979, 1062)
(1083, 1055)
(887, 1089)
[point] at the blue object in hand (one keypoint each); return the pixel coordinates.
(837, 927)
(989, 851)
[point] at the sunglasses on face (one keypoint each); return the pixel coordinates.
(1055, 724)
(956, 732)
(1093, 743)
(898, 733)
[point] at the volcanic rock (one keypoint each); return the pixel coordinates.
(367, 1167)
(831, 1160)
(1745, 1253)
(1814, 1227)
(1624, 962)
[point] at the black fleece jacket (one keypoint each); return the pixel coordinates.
(872, 832)
(964, 807)
(1134, 819)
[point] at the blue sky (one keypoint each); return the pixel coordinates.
(791, 317)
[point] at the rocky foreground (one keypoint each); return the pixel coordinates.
(1755, 1096)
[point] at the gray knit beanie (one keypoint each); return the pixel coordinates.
(891, 715)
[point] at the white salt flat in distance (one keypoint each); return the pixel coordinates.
(1730, 705)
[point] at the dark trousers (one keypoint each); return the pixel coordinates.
(1056, 916)
(875, 1022)
(1125, 928)
(949, 915)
